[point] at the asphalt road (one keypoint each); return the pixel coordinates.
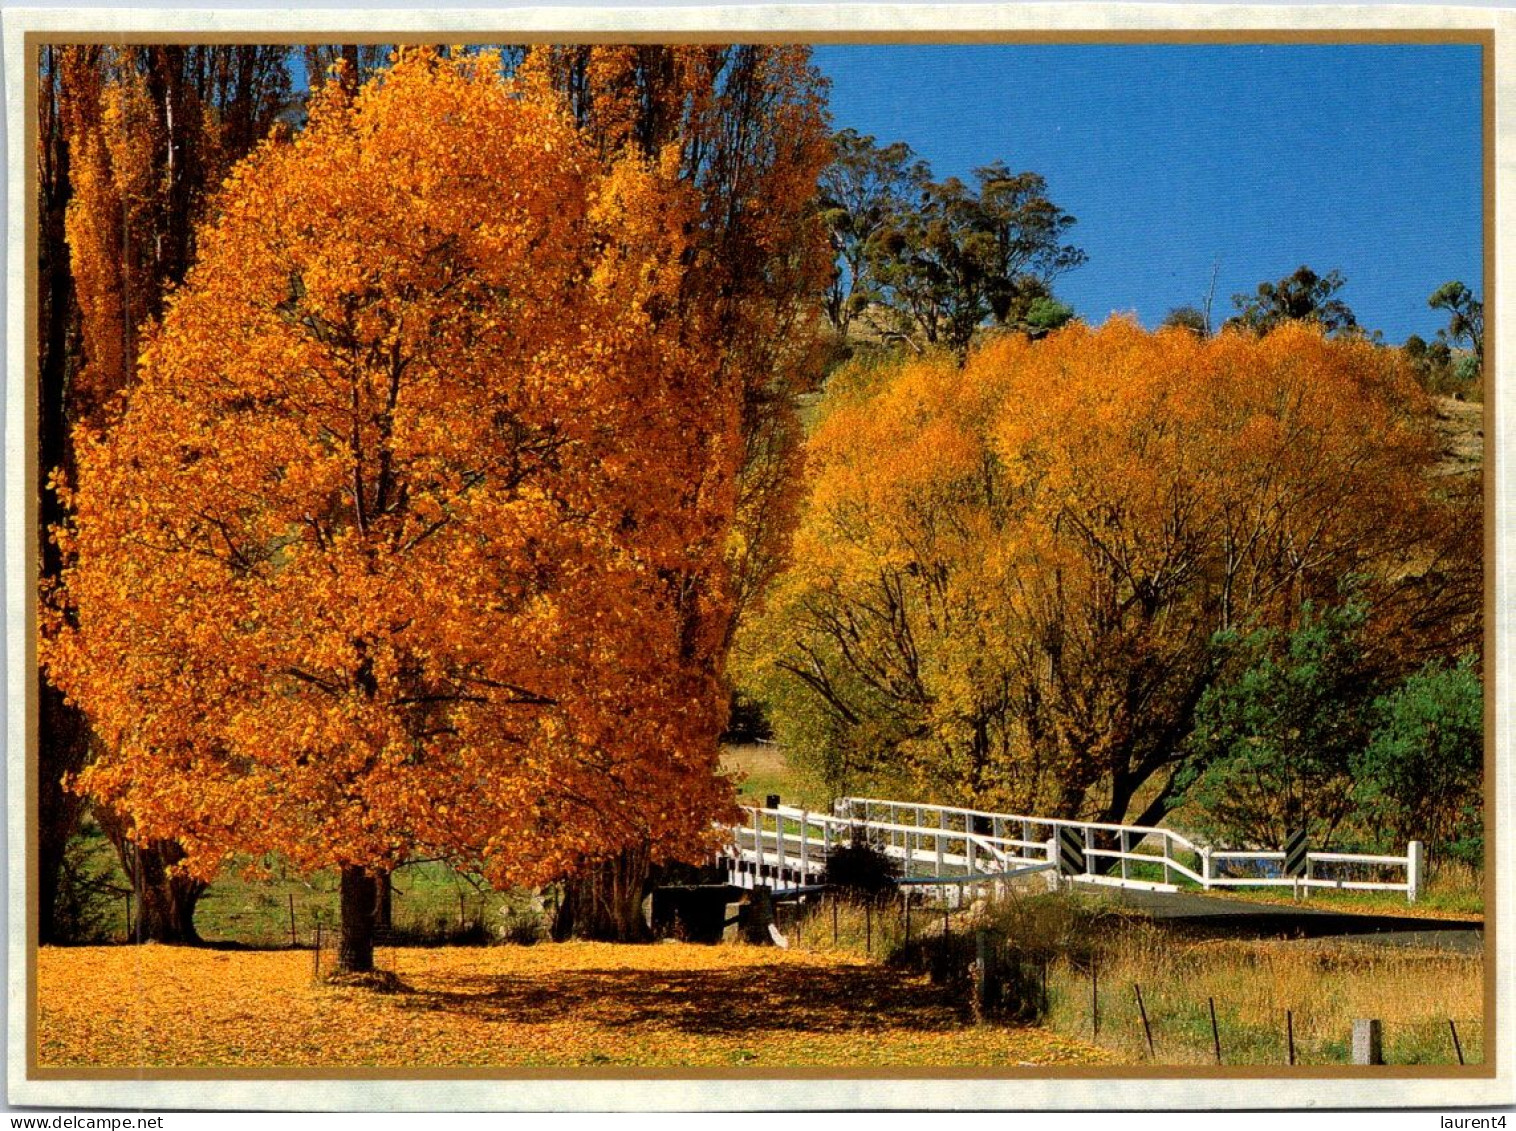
(1235, 918)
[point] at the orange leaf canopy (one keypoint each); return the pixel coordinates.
(386, 556)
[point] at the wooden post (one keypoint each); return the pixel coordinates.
(1094, 1000)
(1289, 1033)
(942, 823)
(982, 973)
(1205, 868)
(1368, 1041)
(1415, 870)
(1457, 1045)
(805, 847)
(1142, 1011)
(1215, 1031)
(294, 941)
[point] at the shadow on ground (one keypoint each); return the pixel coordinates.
(725, 1002)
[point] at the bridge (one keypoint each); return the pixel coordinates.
(949, 851)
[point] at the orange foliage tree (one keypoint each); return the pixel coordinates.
(1011, 579)
(749, 129)
(132, 143)
(377, 562)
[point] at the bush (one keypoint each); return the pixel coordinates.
(862, 870)
(86, 898)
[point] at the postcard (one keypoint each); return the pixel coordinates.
(756, 558)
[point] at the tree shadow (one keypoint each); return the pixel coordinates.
(748, 1000)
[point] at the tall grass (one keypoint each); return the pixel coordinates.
(1077, 962)
(1322, 986)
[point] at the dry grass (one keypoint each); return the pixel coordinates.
(1324, 986)
(566, 1005)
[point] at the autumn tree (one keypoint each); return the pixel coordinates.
(747, 123)
(132, 143)
(1303, 296)
(1014, 582)
(63, 732)
(377, 563)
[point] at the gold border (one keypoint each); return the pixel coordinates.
(1481, 37)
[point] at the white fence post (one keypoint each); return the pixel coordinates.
(1052, 858)
(1168, 856)
(1089, 847)
(1415, 870)
(1205, 868)
(1126, 846)
(941, 833)
(805, 846)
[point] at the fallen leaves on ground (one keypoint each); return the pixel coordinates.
(565, 1005)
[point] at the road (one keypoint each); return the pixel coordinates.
(1208, 914)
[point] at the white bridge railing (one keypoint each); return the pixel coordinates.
(958, 847)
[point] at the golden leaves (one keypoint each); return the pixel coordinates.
(565, 1005)
(1008, 576)
(379, 560)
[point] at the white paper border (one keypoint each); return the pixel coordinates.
(760, 1094)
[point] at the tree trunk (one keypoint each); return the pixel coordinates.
(63, 743)
(63, 732)
(384, 914)
(165, 899)
(355, 949)
(604, 901)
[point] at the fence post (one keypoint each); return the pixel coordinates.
(1052, 858)
(805, 846)
(1168, 856)
(758, 839)
(1205, 868)
(941, 832)
(1125, 841)
(983, 975)
(1089, 845)
(1415, 869)
(779, 840)
(1368, 1041)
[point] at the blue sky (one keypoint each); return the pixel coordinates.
(1366, 159)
